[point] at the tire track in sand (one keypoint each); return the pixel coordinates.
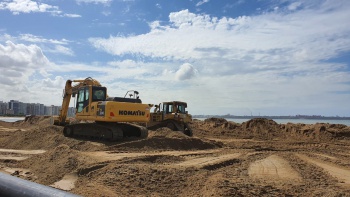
(17, 155)
(340, 173)
(209, 160)
(275, 169)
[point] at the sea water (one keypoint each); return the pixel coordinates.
(11, 119)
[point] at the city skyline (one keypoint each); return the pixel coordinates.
(18, 108)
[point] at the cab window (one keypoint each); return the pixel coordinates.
(167, 108)
(170, 108)
(181, 109)
(83, 99)
(99, 93)
(80, 102)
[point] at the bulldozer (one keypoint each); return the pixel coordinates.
(171, 114)
(99, 116)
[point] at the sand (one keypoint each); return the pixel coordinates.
(256, 158)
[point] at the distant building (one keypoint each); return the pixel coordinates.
(3, 107)
(15, 107)
(9, 112)
(71, 112)
(30, 109)
(22, 109)
(56, 110)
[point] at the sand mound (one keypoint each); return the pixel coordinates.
(261, 128)
(166, 139)
(319, 131)
(62, 157)
(261, 125)
(215, 120)
(166, 132)
(31, 121)
(45, 136)
(6, 124)
(266, 129)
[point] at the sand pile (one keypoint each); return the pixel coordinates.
(214, 127)
(319, 131)
(261, 128)
(46, 137)
(166, 139)
(166, 132)
(39, 134)
(62, 157)
(266, 129)
(30, 121)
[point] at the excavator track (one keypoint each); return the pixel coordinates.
(105, 131)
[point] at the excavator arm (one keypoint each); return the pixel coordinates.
(70, 90)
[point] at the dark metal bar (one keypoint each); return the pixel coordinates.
(13, 186)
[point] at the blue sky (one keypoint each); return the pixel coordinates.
(273, 57)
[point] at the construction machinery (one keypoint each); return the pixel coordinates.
(173, 115)
(100, 116)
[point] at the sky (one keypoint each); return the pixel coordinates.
(238, 57)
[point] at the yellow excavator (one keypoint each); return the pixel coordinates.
(173, 115)
(100, 116)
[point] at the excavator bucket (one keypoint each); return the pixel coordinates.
(54, 120)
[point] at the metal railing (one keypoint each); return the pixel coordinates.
(13, 186)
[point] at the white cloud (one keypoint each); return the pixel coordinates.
(19, 56)
(261, 61)
(185, 72)
(62, 50)
(105, 2)
(294, 5)
(39, 39)
(72, 15)
(18, 63)
(48, 45)
(106, 13)
(191, 36)
(29, 6)
(202, 2)
(55, 83)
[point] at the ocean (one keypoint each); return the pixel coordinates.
(11, 119)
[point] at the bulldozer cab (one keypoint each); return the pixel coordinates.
(174, 107)
(173, 110)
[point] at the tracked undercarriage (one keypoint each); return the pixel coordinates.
(105, 131)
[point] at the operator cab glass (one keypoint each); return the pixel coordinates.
(99, 93)
(181, 108)
(168, 108)
(83, 99)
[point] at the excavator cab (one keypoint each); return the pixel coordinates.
(89, 94)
